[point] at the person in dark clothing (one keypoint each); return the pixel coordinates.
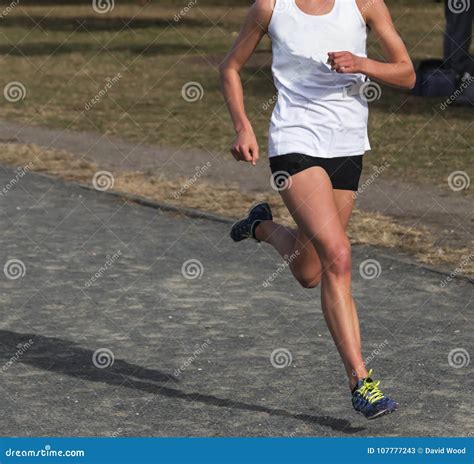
(458, 37)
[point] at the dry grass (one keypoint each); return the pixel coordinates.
(63, 56)
(365, 227)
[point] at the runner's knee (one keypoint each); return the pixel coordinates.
(337, 258)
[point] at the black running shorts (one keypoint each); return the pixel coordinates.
(344, 171)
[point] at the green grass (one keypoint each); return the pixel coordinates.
(63, 55)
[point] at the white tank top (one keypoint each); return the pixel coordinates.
(315, 114)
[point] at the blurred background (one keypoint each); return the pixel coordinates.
(132, 87)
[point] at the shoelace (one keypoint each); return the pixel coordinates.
(370, 390)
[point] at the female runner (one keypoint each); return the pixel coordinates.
(317, 139)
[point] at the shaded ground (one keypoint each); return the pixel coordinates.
(193, 356)
(448, 215)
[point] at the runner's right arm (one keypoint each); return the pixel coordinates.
(245, 146)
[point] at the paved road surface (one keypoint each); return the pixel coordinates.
(192, 356)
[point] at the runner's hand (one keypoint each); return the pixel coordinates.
(245, 147)
(345, 62)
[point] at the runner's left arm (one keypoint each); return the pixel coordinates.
(398, 70)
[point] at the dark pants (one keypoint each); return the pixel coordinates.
(458, 36)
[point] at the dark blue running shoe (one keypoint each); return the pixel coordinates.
(245, 227)
(370, 401)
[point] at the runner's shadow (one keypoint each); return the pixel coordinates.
(66, 357)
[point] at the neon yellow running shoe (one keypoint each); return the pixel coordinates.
(369, 400)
